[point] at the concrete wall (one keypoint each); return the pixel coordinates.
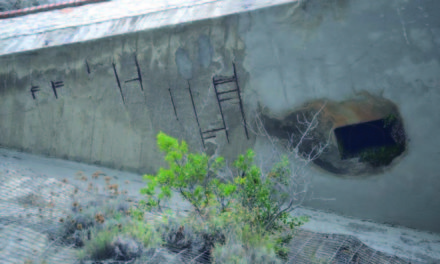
(284, 55)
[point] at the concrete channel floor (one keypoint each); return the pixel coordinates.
(399, 241)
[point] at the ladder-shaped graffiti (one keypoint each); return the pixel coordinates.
(138, 78)
(220, 96)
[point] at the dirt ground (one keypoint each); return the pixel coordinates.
(326, 238)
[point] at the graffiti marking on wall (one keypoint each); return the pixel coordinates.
(34, 89)
(222, 95)
(139, 78)
(195, 113)
(174, 106)
(118, 82)
(230, 79)
(55, 86)
(217, 81)
(87, 67)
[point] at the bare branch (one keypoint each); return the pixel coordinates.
(296, 186)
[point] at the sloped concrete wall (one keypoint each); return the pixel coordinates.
(99, 115)
(284, 56)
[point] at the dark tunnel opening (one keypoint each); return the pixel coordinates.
(354, 139)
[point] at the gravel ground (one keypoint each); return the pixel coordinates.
(325, 233)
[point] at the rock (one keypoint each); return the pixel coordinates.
(204, 244)
(178, 240)
(78, 239)
(126, 248)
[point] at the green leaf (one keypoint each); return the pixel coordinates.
(147, 177)
(184, 147)
(198, 191)
(229, 189)
(147, 191)
(166, 143)
(166, 190)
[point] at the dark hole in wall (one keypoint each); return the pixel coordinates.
(357, 138)
(368, 133)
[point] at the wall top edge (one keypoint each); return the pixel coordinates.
(106, 19)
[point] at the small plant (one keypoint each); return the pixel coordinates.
(96, 174)
(107, 179)
(382, 156)
(113, 187)
(137, 213)
(118, 216)
(99, 247)
(143, 232)
(99, 218)
(389, 120)
(235, 251)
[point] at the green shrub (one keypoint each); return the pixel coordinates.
(245, 199)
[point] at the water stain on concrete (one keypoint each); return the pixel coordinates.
(184, 63)
(205, 51)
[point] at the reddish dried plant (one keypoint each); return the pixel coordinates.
(99, 218)
(96, 174)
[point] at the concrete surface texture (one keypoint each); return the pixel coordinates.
(103, 101)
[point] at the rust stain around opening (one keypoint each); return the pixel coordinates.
(362, 108)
